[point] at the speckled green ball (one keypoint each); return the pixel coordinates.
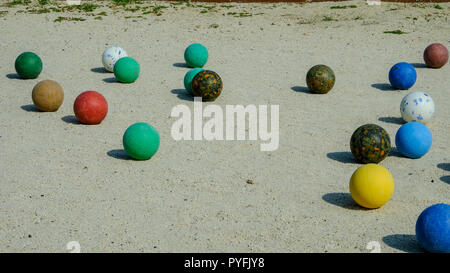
(189, 77)
(320, 79)
(196, 55)
(207, 84)
(28, 65)
(141, 141)
(370, 143)
(126, 70)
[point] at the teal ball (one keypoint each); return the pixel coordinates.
(189, 77)
(126, 70)
(196, 55)
(141, 141)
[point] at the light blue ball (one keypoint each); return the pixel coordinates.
(402, 76)
(433, 228)
(189, 77)
(413, 139)
(196, 55)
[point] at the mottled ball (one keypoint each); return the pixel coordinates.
(47, 96)
(28, 65)
(207, 84)
(370, 143)
(141, 141)
(402, 76)
(320, 79)
(196, 55)
(189, 77)
(417, 106)
(126, 70)
(111, 55)
(433, 228)
(435, 55)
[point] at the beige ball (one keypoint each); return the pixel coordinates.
(48, 96)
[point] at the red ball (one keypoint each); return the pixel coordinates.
(90, 107)
(435, 55)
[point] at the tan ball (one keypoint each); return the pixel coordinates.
(48, 96)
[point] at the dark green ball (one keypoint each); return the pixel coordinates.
(370, 143)
(320, 79)
(207, 84)
(28, 65)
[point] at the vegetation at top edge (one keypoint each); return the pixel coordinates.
(344, 7)
(395, 32)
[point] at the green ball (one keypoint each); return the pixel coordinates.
(141, 141)
(126, 70)
(196, 55)
(189, 77)
(28, 65)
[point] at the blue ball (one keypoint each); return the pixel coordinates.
(189, 77)
(413, 139)
(433, 228)
(402, 76)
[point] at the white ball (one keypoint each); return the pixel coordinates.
(111, 55)
(417, 106)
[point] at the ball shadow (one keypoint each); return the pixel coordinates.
(419, 65)
(30, 108)
(13, 76)
(342, 199)
(446, 179)
(394, 152)
(182, 94)
(183, 65)
(383, 87)
(71, 119)
(119, 154)
(110, 80)
(444, 166)
(302, 89)
(393, 120)
(404, 242)
(101, 70)
(343, 157)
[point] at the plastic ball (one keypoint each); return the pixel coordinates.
(207, 84)
(141, 141)
(402, 76)
(413, 139)
(435, 55)
(126, 70)
(370, 143)
(417, 106)
(371, 186)
(320, 79)
(189, 77)
(111, 55)
(47, 96)
(196, 55)
(28, 65)
(433, 228)
(90, 107)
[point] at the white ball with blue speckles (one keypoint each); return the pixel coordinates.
(417, 106)
(111, 55)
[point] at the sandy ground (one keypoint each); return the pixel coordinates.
(61, 181)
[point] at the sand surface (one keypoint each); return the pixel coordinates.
(61, 181)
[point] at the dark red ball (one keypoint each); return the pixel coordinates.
(90, 107)
(435, 55)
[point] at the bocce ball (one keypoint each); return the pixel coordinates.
(371, 186)
(207, 84)
(402, 76)
(417, 106)
(189, 77)
(90, 107)
(413, 139)
(111, 55)
(370, 143)
(141, 141)
(126, 70)
(28, 65)
(435, 55)
(433, 228)
(47, 96)
(196, 55)
(320, 79)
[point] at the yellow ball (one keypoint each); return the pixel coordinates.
(371, 186)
